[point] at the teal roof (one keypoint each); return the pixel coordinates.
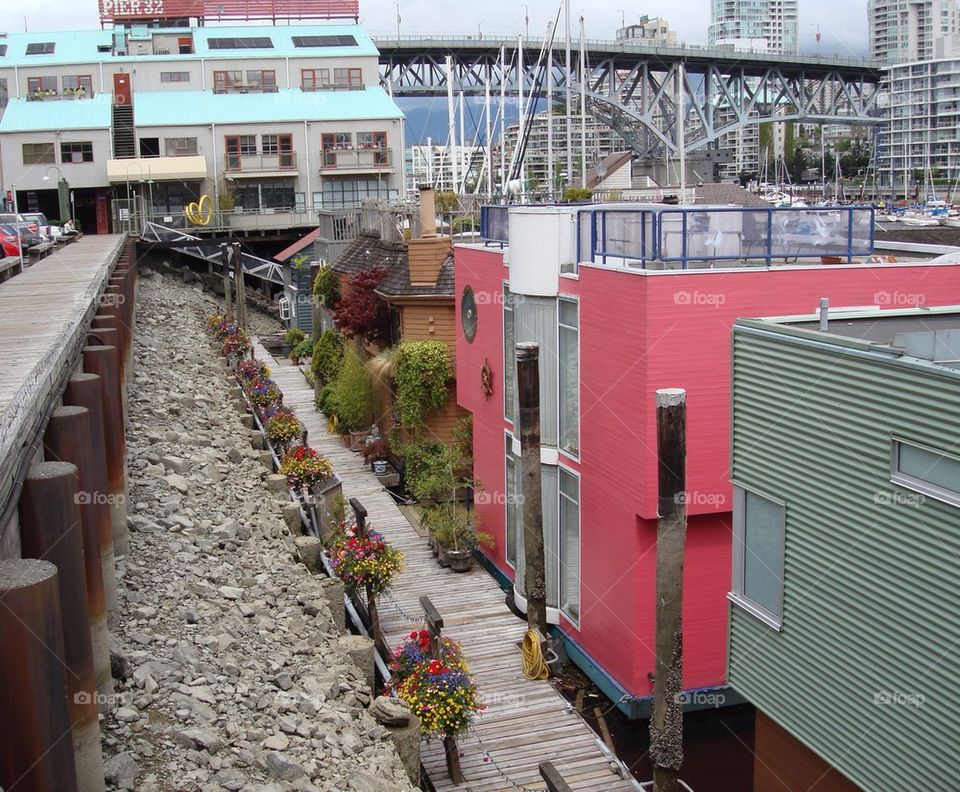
(81, 46)
(55, 114)
(189, 108)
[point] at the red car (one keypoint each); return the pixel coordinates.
(10, 240)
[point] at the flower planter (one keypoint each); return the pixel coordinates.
(325, 493)
(380, 467)
(358, 440)
(345, 436)
(434, 546)
(460, 560)
(443, 556)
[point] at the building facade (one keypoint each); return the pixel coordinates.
(760, 25)
(649, 30)
(434, 166)
(909, 30)
(613, 326)
(271, 123)
(921, 141)
(846, 492)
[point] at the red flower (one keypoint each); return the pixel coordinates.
(413, 634)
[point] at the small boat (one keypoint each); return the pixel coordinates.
(886, 218)
(952, 222)
(919, 221)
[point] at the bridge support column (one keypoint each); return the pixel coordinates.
(102, 360)
(36, 752)
(69, 438)
(84, 390)
(51, 529)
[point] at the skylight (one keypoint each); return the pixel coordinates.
(258, 42)
(3, 50)
(41, 48)
(324, 41)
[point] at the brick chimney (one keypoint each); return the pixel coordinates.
(426, 255)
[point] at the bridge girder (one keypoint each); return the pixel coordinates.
(636, 93)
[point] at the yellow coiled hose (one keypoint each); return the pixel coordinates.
(534, 666)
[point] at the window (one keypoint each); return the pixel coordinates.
(38, 154)
(37, 85)
(758, 546)
(180, 147)
(41, 48)
(348, 78)
(346, 193)
(569, 376)
(265, 195)
(264, 79)
(3, 50)
(314, 79)
(513, 513)
(175, 76)
(150, 147)
(927, 470)
(78, 83)
(509, 359)
(76, 152)
(4, 95)
(258, 42)
(226, 80)
(248, 145)
(324, 41)
(280, 146)
(372, 140)
(569, 546)
(337, 140)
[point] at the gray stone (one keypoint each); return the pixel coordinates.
(206, 739)
(121, 769)
(390, 711)
(277, 742)
(126, 714)
(309, 548)
(283, 768)
(175, 464)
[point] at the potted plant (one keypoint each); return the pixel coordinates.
(303, 349)
(264, 394)
(304, 467)
(456, 533)
(283, 428)
(291, 338)
(353, 400)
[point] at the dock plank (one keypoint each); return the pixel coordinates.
(525, 722)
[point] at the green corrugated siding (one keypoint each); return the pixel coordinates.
(870, 589)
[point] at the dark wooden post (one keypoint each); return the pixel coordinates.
(435, 628)
(36, 752)
(361, 516)
(227, 253)
(555, 782)
(666, 722)
(241, 286)
(528, 392)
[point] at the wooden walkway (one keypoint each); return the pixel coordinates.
(525, 722)
(44, 314)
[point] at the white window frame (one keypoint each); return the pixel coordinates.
(560, 496)
(507, 417)
(920, 485)
(566, 452)
(736, 594)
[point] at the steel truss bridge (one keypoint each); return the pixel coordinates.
(642, 91)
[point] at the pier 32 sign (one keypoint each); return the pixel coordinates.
(120, 10)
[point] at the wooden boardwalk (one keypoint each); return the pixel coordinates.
(44, 314)
(525, 722)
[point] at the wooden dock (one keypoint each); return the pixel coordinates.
(44, 314)
(525, 722)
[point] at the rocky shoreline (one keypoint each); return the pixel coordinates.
(233, 672)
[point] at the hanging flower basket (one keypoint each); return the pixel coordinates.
(304, 467)
(365, 563)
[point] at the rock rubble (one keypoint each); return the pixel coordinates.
(233, 675)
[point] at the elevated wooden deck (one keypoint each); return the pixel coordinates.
(525, 722)
(44, 314)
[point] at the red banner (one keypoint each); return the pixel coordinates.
(121, 10)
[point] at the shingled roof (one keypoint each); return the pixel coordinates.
(368, 250)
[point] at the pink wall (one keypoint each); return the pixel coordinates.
(639, 333)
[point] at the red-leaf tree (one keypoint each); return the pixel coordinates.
(360, 312)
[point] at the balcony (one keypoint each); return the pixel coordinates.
(67, 93)
(244, 88)
(280, 164)
(356, 85)
(356, 160)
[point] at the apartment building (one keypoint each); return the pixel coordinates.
(649, 30)
(909, 30)
(760, 25)
(270, 123)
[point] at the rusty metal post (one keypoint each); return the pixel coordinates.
(51, 530)
(666, 720)
(69, 438)
(227, 252)
(102, 360)
(83, 390)
(36, 751)
(528, 393)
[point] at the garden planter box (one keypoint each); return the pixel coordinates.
(460, 560)
(358, 440)
(345, 436)
(443, 556)
(325, 493)
(389, 479)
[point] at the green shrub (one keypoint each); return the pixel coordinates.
(423, 372)
(428, 470)
(327, 356)
(573, 194)
(326, 286)
(294, 336)
(324, 400)
(302, 350)
(353, 397)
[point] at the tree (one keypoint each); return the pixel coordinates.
(360, 313)
(798, 163)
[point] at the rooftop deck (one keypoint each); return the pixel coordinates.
(526, 722)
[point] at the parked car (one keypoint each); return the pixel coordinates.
(28, 237)
(8, 240)
(38, 223)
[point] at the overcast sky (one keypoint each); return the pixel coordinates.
(842, 23)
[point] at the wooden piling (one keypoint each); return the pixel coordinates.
(528, 392)
(51, 529)
(102, 360)
(666, 721)
(69, 439)
(83, 390)
(241, 286)
(36, 749)
(226, 251)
